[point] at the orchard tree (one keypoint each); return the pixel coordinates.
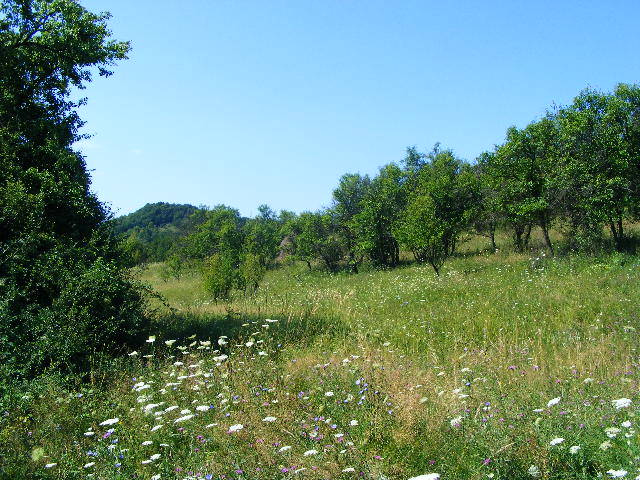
(380, 211)
(600, 164)
(347, 203)
(439, 208)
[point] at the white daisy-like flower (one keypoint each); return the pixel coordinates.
(621, 403)
(617, 473)
(553, 401)
(183, 419)
(556, 441)
(110, 421)
(235, 428)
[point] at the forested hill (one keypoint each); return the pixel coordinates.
(151, 231)
(159, 214)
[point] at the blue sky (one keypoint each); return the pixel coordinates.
(249, 102)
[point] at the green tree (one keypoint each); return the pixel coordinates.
(316, 238)
(439, 208)
(600, 164)
(64, 292)
(523, 172)
(380, 210)
(347, 203)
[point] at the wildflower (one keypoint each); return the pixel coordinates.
(553, 401)
(353, 423)
(168, 343)
(556, 441)
(89, 433)
(50, 465)
(328, 394)
(612, 432)
(456, 422)
(428, 476)
(269, 419)
(605, 445)
(626, 424)
(145, 462)
(110, 421)
(154, 457)
(348, 469)
(89, 465)
(534, 471)
(146, 442)
(133, 354)
(574, 449)
(157, 427)
(151, 339)
(202, 408)
(156, 477)
(617, 473)
(222, 341)
(249, 344)
(284, 449)
(183, 419)
(310, 452)
(621, 403)
(235, 428)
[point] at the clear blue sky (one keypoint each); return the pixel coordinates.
(249, 102)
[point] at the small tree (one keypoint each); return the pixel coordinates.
(252, 271)
(220, 276)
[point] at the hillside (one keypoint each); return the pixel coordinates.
(155, 215)
(506, 366)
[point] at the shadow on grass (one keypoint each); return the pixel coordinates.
(300, 330)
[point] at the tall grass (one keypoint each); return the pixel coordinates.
(505, 366)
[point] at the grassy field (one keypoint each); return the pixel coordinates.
(506, 366)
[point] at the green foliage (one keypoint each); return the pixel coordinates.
(63, 290)
(439, 208)
(380, 209)
(221, 275)
(599, 173)
(316, 238)
(252, 271)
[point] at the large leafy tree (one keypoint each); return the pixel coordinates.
(440, 204)
(523, 172)
(63, 291)
(380, 210)
(600, 161)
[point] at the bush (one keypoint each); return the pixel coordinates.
(220, 276)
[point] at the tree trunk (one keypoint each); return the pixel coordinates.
(545, 232)
(492, 236)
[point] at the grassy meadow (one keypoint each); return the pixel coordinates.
(506, 366)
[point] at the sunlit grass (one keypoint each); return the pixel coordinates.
(384, 374)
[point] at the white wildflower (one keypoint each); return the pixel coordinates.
(621, 403)
(574, 449)
(183, 419)
(310, 452)
(110, 421)
(235, 428)
(151, 339)
(553, 401)
(269, 419)
(556, 441)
